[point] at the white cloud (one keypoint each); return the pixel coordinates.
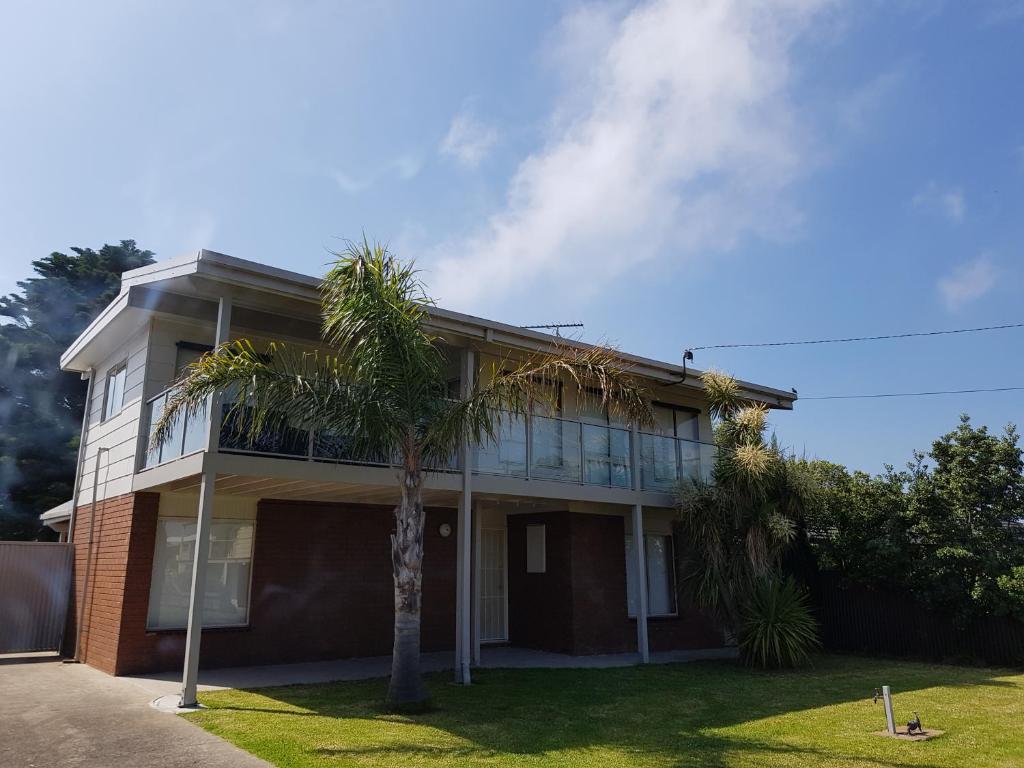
(1003, 12)
(968, 282)
(861, 108)
(405, 166)
(947, 200)
(468, 140)
(676, 135)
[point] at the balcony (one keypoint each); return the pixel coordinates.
(529, 447)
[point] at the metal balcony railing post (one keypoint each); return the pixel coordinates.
(579, 426)
(528, 419)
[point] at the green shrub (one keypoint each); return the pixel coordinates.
(777, 629)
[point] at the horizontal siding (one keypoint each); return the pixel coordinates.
(163, 350)
(120, 433)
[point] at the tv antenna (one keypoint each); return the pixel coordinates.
(557, 326)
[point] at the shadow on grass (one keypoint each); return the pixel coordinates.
(668, 715)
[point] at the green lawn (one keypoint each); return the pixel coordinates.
(699, 714)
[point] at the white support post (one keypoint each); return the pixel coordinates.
(890, 720)
(464, 569)
(476, 588)
(639, 546)
(641, 574)
(204, 522)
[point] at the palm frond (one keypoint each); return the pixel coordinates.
(596, 373)
(373, 309)
(280, 386)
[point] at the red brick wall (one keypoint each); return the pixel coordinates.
(108, 569)
(579, 606)
(599, 586)
(321, 589)
(540, 605)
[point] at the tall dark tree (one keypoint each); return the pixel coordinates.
(40, 406)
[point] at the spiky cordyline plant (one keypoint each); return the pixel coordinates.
(383, 386)
(777, 628)
(736, 526)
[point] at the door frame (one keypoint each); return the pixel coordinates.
(504, 566)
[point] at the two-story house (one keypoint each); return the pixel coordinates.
(531, 541)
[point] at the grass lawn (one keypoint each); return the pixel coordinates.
(698, 714)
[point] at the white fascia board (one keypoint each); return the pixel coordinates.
(59, 514)
(112, 310)
(161, 270)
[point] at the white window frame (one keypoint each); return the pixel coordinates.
(248, 588)
(109, 411)
(670, 566)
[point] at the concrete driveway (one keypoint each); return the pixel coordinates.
(55, 715)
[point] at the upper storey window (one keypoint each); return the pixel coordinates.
(113, 400)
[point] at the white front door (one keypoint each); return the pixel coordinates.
(493, 589)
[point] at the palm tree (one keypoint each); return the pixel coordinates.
(383, 387)
(738, 525)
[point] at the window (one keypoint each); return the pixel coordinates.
(536, 549)
(548, 440)
(676, 421)
(671, 453)
(227, 577)
(606, 459)
(114, 399)
(187, 353)
(661, 581)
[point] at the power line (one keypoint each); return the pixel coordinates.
(861, 338)
(912, 394)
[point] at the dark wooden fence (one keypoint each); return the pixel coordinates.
(858, 619)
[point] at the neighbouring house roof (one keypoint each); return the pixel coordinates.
(59, 514)
(195, 278)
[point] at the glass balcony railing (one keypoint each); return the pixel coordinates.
(667, 461)
(188, 433)
(530, 447)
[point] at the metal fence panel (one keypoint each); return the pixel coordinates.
(35, 582)
(860, 619)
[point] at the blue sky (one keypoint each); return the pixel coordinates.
(670, 174)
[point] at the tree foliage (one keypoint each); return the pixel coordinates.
(736, 527)
(41, 406)
(947, 528)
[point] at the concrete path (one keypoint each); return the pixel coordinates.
(167, 685)
(55, 715)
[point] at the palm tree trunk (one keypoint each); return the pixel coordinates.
(406, 690)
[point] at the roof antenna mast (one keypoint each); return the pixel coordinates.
(557, 326)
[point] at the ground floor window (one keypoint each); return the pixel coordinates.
(228, 574)
(661, 580)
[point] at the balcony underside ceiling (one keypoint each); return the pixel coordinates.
(306, 490)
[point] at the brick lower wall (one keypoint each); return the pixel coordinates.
(579, 606)
(540, 605)
(321, 589)
(600, 623)
(105, 573)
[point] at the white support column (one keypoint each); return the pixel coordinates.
(463, 596)
(639, 547)
(641, 572)
(476, 588)
(204, 522)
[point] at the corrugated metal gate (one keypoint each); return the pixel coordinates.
(35, 581)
